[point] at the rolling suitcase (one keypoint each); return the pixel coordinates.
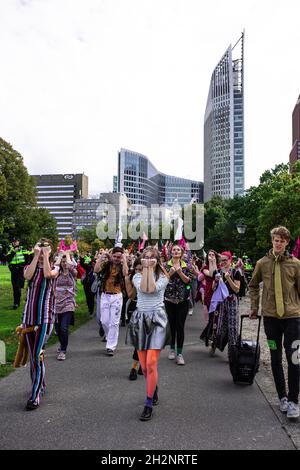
(245, 358)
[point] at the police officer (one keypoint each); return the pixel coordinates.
(17, 258)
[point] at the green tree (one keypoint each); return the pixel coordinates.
(19, 214)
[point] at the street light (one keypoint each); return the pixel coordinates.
(241, 228)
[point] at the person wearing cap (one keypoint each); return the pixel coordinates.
(280, 273)
(17, 258)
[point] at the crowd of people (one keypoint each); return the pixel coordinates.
(153, 293)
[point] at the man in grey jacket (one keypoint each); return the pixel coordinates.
(280, 274)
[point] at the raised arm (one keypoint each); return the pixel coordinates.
(48, 272)
(30, 269)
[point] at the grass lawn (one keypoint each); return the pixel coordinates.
(10, 319)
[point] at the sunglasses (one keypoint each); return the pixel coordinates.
(40, 244)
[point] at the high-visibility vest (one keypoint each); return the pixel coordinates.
(19, 257)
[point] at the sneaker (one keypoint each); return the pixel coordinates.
(133, 374)
(61, 356)
(155, 397)
(180, 360)
(31, 405)
(283, 405)
(109, 352)
(147, 414)
(293, 410)
(172, 354)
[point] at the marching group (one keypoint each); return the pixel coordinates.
(154, 293)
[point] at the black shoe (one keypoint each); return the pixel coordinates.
(133, 374)
(109, 352)
(31, 405)
(140, 371)
(147, 414)
(155, 397)
(101, 331)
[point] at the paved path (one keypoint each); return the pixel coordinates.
(91, 404)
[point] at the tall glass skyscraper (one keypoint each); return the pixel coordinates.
(224, 126)
(144, 185)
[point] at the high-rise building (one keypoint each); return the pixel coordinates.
(57, 193)
(144, 185)
(87, 212)
(224, 126)
(295, 152)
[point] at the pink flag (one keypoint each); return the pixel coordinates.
(63, 247)
(182, 242)
(145, 238)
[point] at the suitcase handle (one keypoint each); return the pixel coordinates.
(258, 329)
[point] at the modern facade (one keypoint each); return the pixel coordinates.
(58, 193)
(144, 185)
(224, 126)
(295, 152)
(87, 212)
(115, 184)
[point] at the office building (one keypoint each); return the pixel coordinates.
(88, 212)
(295, 152)
(144, 185)
(58, 193)
(224, 126)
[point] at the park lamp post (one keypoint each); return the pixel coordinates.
(241, 228)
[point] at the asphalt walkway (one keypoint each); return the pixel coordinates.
(91, 404)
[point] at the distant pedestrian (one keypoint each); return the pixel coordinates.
(87, 263)
(280, 273)
(148, 327)
(17, 258)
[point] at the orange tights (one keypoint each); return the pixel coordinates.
(148, 360)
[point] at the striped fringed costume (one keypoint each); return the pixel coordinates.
(223, 325)
(38, 312)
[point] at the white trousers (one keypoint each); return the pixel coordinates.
(98, 307)
(111, 308)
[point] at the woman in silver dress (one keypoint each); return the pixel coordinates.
(148, 329)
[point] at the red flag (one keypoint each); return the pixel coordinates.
(131, 247)
(145, 238)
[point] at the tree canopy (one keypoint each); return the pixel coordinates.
(19, 214)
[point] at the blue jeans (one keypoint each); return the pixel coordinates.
(288, 330)
(62, 328)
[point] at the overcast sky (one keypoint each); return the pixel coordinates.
(82, 78)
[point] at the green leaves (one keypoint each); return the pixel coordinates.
(19, 214)
(275, 201)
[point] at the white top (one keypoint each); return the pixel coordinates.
(153, 300)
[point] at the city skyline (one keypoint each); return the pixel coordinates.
(83, 83)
